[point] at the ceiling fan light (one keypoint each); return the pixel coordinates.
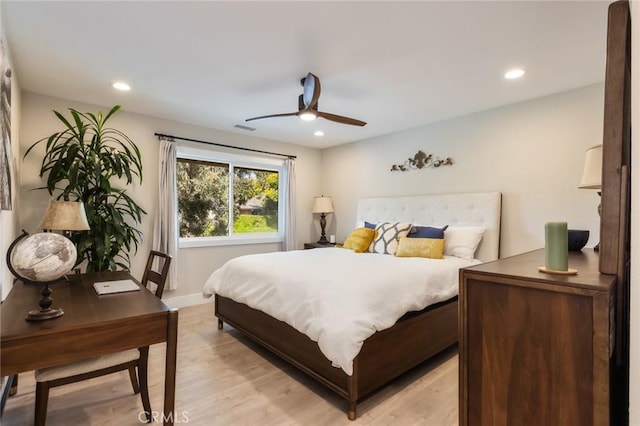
(307, 116)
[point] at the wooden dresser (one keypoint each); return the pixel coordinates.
(535, 348)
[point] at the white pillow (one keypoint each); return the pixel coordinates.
(462, 241)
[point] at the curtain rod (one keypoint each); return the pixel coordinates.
(160, 135)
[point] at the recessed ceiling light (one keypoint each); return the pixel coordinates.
(307, 116)
(121, 85)
(515, 73)
(319, 133)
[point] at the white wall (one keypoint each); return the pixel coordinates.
(634, 350)
(532, 152)
(194, 264)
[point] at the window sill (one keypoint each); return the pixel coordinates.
(228, 241)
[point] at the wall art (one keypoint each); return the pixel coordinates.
(421, 161)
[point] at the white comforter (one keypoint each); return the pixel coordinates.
(335, 296)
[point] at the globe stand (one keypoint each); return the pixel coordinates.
(46, 311)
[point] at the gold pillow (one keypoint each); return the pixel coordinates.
(431, 248)
(360, 239)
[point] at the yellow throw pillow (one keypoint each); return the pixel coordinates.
(360, 239)
(431, 248)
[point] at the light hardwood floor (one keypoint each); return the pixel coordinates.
(225, 379)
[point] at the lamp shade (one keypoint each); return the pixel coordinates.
(322, 205)
(592, 174)
(65, 216)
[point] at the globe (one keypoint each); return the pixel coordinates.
(43, 257)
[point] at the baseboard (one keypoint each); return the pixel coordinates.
(187, 300)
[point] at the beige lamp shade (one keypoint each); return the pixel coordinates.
(65, 216)
(322, 205)
(592, 174)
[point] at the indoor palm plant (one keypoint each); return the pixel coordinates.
(84, 162)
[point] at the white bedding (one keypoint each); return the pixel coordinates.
(335, 296)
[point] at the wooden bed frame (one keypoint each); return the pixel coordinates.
(416, 337)
(383, 357)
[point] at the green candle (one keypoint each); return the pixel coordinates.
(556, 247)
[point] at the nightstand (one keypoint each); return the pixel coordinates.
(308, 246)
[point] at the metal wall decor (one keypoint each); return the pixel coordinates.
(421, 161)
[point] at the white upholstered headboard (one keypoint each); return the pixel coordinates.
(470, 209)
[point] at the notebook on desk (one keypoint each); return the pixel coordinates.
(118, 286)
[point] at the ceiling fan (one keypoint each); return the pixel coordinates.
(308, 105)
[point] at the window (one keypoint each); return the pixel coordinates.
(203, 198)
(228, 199)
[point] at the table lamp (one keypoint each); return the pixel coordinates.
(45, 257)
(324, 206)
(592, 174)
(65, 216)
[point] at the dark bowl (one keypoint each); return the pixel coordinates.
(577, 239)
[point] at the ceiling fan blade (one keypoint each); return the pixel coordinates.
(340, 119)
(286, 114)
(308, 103)
(311, 91)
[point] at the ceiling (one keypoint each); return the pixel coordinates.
(395, 65)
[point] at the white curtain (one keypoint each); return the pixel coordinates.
(165, 227)
(290, 240)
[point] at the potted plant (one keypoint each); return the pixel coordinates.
(84, 162)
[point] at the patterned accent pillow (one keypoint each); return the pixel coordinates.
(432, 248)
(386, 240)
(360, 240)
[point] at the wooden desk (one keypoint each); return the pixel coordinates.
(92, 325)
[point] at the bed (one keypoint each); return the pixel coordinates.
(352, 354)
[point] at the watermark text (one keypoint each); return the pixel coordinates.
(159, 417)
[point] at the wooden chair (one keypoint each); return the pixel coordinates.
(131, 359)
(158, 275)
